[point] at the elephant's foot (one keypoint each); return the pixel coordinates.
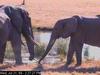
(31, 58)
(1, 61)
(18, 60)
(78, 64)
(68, 63)
(19, 63)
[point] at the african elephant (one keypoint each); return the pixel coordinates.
(80, 30)
(5, 29)
(21, 23)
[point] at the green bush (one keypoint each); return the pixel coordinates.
(9, 54)
(39, 50)
(61, 47)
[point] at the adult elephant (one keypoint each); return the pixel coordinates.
(5, 29)
(21, 23)
(81, 30)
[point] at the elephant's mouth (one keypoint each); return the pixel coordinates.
(65, 35)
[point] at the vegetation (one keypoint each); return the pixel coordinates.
(87, 55)
(39, 50)
(61, 48)
(9, 54)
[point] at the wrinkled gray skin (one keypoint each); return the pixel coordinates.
(5, 30)
(21, 24)
(81, 30)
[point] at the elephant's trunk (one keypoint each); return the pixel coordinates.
(36, 43)
(51, 43)
(30, 43)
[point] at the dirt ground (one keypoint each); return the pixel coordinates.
(87, 68)
(45, 13)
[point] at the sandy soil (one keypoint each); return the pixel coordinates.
(45, 13)
(87, 68)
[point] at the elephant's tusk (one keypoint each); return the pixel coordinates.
(36, 43)
(22, 43)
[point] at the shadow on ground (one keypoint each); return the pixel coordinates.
(4, 66)
(68, 69)
(39, 68)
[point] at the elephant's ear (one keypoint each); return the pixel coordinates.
(24, 15)
(15, 17)
(73, 23)
(26, 27)
(70, 25)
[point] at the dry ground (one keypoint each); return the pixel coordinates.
(87, 68)
(47, 12)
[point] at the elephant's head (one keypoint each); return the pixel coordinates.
(27, 32)
(63, 28)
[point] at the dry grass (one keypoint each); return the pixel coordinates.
(87, 68)
(45, 13)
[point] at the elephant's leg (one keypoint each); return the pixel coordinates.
(30, 44)
(79, 55)
(76, 47)
(70, 54)
(2, 52)
(16, 44)
(31, 49)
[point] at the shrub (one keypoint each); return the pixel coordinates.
(39, 50)
(61, 48)
(9, 54)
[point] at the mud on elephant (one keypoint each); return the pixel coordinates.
(21, 24)
(81, 31)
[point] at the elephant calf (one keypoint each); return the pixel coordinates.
(81, 30)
